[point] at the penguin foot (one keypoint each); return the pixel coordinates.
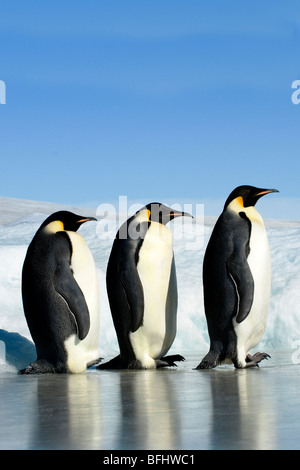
(252, 361)
(169, 361)
(136, 364)
(115, 363)
(205, 365)
(41, 366)
(210, 361)
(118, 363)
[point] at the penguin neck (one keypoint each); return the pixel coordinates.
(252, 214)
(55, 226)
(143, 216)
(156, 231)
(160, 233)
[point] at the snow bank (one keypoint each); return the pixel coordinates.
(283, 330)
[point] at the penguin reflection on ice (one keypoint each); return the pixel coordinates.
(142, 290)
(236, 281)
(60, 297)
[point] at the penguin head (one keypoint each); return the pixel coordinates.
(65, 220)
(247, 196)
(162, 214)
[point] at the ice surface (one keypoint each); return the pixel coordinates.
(182, 409)
(169, 409)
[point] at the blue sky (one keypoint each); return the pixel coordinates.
(173, 101)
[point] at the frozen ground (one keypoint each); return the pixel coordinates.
(165, 409)
(182, 409)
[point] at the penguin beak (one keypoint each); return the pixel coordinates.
(174, 214)
(86, 219)
(267, 191)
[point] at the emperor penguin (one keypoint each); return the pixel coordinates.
(60, 297)
(142, 290)
(236, 281)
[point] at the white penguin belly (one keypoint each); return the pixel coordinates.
(80, 353)
(251, 330)
(156, 270)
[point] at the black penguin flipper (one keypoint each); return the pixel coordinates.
(124, 287)
(67, 287)
(133, 289)
(240, 272)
